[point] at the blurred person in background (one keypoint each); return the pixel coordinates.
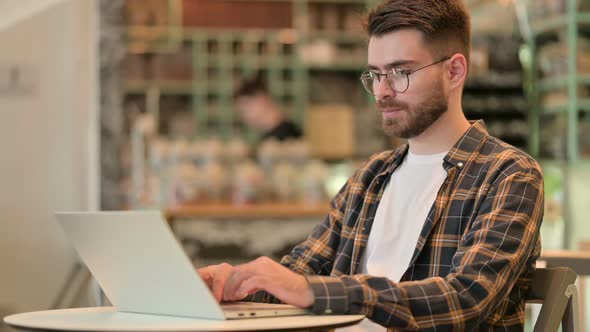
(257, 110)
(439, 234)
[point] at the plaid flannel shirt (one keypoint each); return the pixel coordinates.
(472, 263)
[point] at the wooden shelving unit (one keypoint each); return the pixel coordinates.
(217, 58)
(557, 86)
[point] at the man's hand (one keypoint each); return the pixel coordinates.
(215, 276)
(270, 276)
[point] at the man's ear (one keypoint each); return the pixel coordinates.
(457, 70)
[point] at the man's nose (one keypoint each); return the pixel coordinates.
(382, 89)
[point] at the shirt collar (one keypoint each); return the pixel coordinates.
(467, 145)
(457, 156)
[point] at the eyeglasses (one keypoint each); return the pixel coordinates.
(397, 78)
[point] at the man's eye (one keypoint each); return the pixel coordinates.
(400, 71)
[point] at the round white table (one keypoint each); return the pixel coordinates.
(109, 320)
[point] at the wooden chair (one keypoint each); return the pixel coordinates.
(555, 288)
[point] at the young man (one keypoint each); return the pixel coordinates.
(440, 234)
(258, 111)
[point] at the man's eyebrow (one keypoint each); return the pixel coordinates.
(392, 64)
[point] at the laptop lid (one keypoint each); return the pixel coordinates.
(139, 264)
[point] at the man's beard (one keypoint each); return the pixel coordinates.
(414, 121)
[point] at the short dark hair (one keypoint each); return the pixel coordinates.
(445, 24)
(251, 87)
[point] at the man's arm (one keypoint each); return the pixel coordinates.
(312, 257)
(315, 255)
(486, 266)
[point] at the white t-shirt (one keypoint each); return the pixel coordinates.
(399, 219)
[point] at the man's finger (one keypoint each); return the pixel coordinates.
(251, 286)
(205, 274)
(233, 282)
(219, 282)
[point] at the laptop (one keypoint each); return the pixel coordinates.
(142, 268)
